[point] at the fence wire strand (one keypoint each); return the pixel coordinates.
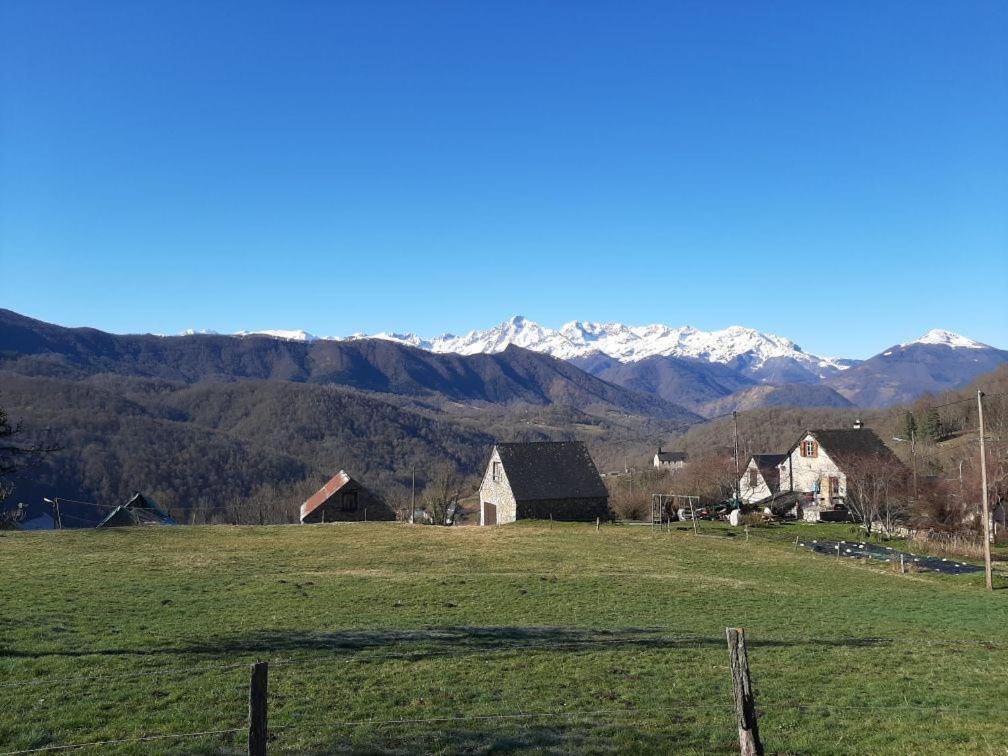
(121, 741)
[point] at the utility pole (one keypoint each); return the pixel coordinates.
(56, 510)
(913, 460)
(962, 496)
(983, 497)
(412, 500)
(738, 484)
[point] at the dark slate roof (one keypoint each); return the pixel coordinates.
(550, 470)
(768, 462)
(846, 445)
(671, 456)
(139, 510)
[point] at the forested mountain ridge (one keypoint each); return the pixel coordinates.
(904, 372)
(807, 395)
(32, 347)
(209, 423)
(683, 380)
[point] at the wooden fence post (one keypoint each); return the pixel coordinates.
(598, 523)
(745, 701)
(257, 709)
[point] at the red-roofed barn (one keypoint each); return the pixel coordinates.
(343, 499)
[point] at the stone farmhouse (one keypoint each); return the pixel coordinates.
(816, 468)
(539, 480)
(343, 499)
(669, 460)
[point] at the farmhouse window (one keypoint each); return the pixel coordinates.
(753, 479)
(809, 448)
(496, 472)
(834, 486)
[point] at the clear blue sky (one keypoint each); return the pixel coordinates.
(833, 172)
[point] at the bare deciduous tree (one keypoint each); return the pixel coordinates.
(16, 455)
(876, 491)
(442, 493)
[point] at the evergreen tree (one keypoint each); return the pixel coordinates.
(932, 427)
(909, 426)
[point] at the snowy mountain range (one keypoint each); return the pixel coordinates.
(624, 343)
(580, 339)
(710, 365)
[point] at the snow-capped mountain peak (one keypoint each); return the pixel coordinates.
(409, 339)
(281, 334)
(736, 344)
(940, 337)
(200, 332)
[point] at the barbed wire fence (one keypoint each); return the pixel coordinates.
(717, 707)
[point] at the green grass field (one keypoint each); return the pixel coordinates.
(387, 638)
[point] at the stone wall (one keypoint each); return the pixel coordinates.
(497, 492)
(801, 474)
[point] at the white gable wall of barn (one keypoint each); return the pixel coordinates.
(498, 492)
(760, 491)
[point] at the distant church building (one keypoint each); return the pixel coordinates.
(669, 460)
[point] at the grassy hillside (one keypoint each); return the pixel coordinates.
(516, 638)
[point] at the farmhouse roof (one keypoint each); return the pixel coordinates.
(320, 497)
(768, 462)
(847, 445)
(139, 510)
(551, 470)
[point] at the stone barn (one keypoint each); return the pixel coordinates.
(537, 480)
(343, 499)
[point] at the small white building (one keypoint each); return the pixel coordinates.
(669, 460)
(761, 477)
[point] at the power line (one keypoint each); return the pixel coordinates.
(968, 399)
